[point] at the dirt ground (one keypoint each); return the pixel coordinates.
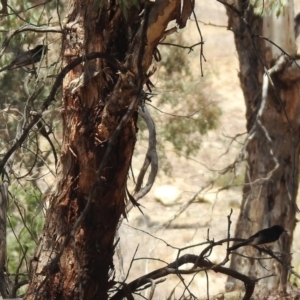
(152, 235)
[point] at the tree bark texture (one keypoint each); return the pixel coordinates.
(5, 284)
(74, 259)
(272, 146)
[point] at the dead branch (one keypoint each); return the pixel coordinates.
(173, 268)
(13, 32)
(150, 159)
(38, 115)
(200, 263)
(191, 48)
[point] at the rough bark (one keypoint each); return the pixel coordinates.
(272, 148)
(5, 284)
(74, 259)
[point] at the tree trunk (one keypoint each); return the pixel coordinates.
(272, 146)
(74, 258)
(5, 284)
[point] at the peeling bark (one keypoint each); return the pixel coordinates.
(74, 260)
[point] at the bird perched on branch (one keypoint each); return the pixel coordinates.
(262, 237)
(27, 58)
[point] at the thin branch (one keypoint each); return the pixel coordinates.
(38, 115)
(25, 223)
(200, 263)
(151, 158)
(209, 23)
(131, 262)
(33, 28)
(202, 43)
(173, 268)
(191, 48)
(183, 116)
(29, 8)
(17, 283)
(153, 286)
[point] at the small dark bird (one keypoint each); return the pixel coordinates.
(27, 58)
(262, 237)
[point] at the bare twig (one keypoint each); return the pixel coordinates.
(172, 268)
(38, 115)
(150, 159)
(17, 283)
(25, 28)
(191, 48)
(201, 43)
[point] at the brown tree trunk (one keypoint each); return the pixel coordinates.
(5, 284)
(272, 147)
(74, 259)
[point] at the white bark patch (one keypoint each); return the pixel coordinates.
(280, 30)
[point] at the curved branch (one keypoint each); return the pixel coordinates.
(38, 115)
(151, 158)
(11, 33)
(173, 268)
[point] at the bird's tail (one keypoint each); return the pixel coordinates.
(238, 245)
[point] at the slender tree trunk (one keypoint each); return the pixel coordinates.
(272, 147)
(74, 259)
(5, 284)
